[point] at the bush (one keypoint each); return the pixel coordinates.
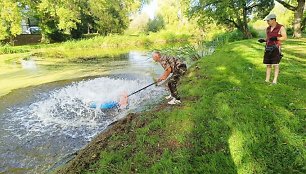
(289, 31)
(7, 49)
(156, 24)
(228, 37)
(254, 33)
(187, 52)
(146, 42)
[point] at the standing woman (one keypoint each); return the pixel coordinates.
(275, 34)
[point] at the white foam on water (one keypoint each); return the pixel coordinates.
(66, 110)
(28, 64)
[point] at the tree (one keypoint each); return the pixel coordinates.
(298, 9)
(232, 13)
(138, 23)
(63, 19)
(156, 24)
(10, 19)
(170, 15)
(71, 17)
(57, 18)
(109, 16)
(112, 16)
(304, 22)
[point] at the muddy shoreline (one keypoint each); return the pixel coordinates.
(91, 152)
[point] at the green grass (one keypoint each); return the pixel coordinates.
(230, 121)
(98, 42)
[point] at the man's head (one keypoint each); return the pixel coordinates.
(271, 19)
(156, 56)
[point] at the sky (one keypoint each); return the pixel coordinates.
(150, 9)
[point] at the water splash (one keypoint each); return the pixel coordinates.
(29, 64)
(66, 110)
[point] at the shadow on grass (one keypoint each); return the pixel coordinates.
(230, 121)
(248, 126)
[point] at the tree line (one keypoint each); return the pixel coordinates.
(238, 13)
(64, 19)
(60, 19)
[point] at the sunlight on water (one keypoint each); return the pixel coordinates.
(67, 111)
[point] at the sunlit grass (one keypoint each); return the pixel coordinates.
(230, 121)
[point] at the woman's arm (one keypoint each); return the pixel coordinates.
(283, 33)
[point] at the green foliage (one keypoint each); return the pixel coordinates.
(146, 42)
(138, 24)
(192, 52)
(221, 39)
(236, 35)
(156, 24)
(170, 17)
(298, 7)
(110, 16)
(254, 33)
(7, 49)
(289, 31)
(10, 19)
(63, 19)
(171, 12)
(230, 13)
(187, 52)
(124, 42)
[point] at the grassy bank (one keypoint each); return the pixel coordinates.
(98, 42)
(230, 121)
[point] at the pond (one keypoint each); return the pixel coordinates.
(42, 125)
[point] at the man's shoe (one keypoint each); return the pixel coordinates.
(174, 101)
(168, 97)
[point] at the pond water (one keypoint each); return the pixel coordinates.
(42, 125)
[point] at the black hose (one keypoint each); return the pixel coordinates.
(142, 89)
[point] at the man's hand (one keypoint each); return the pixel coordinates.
(159, 80)
(273, 39)
(261, 40)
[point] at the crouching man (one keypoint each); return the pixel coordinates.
(177, 68)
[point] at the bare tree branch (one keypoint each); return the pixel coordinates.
(251, 5)
(288, 6)
(232, 21)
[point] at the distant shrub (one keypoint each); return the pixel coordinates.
(8, 49)
(228, 37)
(289, 31)
(188, 52)
(170, 37)
(254, 33)
(146, 42)
(155, 24)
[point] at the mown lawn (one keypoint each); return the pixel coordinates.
(230, 121)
